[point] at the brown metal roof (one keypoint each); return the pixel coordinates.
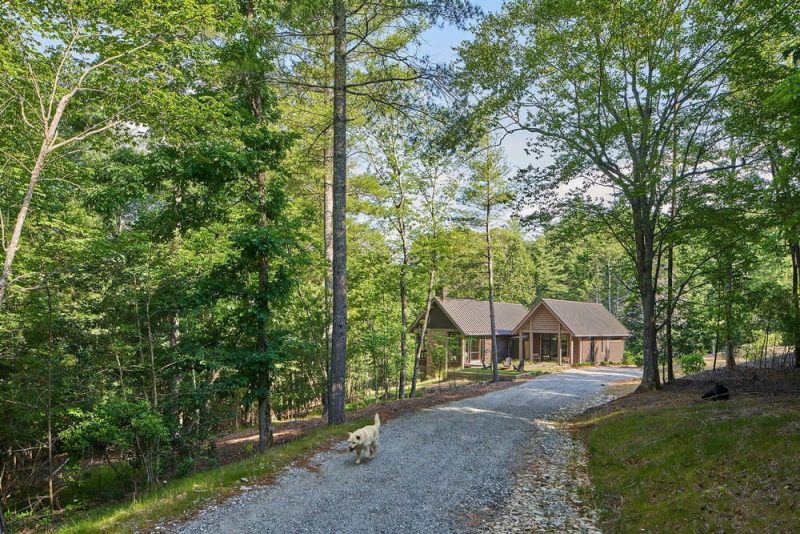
(583, 319)
(472, 316)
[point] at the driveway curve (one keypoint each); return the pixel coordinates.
(435, 467)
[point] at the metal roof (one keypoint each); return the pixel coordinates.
(472, 316)
(583, 319)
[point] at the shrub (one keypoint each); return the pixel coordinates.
(126, 427)
(638, 360)
(692, 363)
(628, 358)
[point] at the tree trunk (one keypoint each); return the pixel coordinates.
(730, 353)
(670, 310)
(490, 264)
(174, 337)
(339, 333)
(50, 132)
(795, 248)
(151, 345)
(423, 330)
(403, 311)
(608, 275)
(50, 489)
(13, 244)
(264, 409)
(328, 239)
(670, 258)
(265, 417)
(644, 237)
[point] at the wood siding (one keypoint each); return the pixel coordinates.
(598, 350)
(542, 321)
(438, 320)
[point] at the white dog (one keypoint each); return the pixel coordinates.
(365, 439)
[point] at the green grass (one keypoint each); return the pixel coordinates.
(477, 372)
(182, 495)
(715, 467)
(100, 483)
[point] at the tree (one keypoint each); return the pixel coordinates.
(514, 276)
(98, 65)
(486, 191)
(339, 214)
(390, 156)
(611, 91)
(369, 61)
(406, 187)
(764, 114)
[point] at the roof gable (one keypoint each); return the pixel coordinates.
(471, 317)
(582, 319)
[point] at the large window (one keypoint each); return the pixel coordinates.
(550, 346)
(474, 348)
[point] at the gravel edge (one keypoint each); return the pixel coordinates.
(544, 492)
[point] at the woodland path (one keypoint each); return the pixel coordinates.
(436, 468)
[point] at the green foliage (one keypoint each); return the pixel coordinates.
(115, 423)
(127, 428)
(172, 269)
(171, 500)
(628, 357)
(692, 363)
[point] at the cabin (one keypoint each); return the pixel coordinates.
(562, 331)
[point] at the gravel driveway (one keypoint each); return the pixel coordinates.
(436, 468)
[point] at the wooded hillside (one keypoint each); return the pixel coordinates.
(220, 214)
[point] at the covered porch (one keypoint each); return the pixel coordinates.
(569, 333)
(450, 349)
(558, 347)
(544, 337)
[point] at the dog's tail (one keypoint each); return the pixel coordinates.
(377, 420)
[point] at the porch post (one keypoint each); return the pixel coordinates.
(558, 342)
(519, 346)
(463, 350)
(541, 348)
(530, 338)
(446, 354)
(569, 348)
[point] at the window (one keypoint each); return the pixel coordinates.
(550, 346)
(474, 348)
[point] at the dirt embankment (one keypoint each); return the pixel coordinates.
(239, 445)
(742, 382)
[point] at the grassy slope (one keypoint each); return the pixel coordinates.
(184, 494)
(710, 467)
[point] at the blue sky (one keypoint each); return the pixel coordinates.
(438, 44)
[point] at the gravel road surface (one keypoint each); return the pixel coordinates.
(438, 470)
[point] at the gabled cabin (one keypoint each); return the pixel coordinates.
(570, 332)
(562, 331)
(465, 324)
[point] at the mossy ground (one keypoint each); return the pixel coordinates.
(669, 462)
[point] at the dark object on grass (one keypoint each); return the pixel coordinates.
(719, 392)
(521, 366)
